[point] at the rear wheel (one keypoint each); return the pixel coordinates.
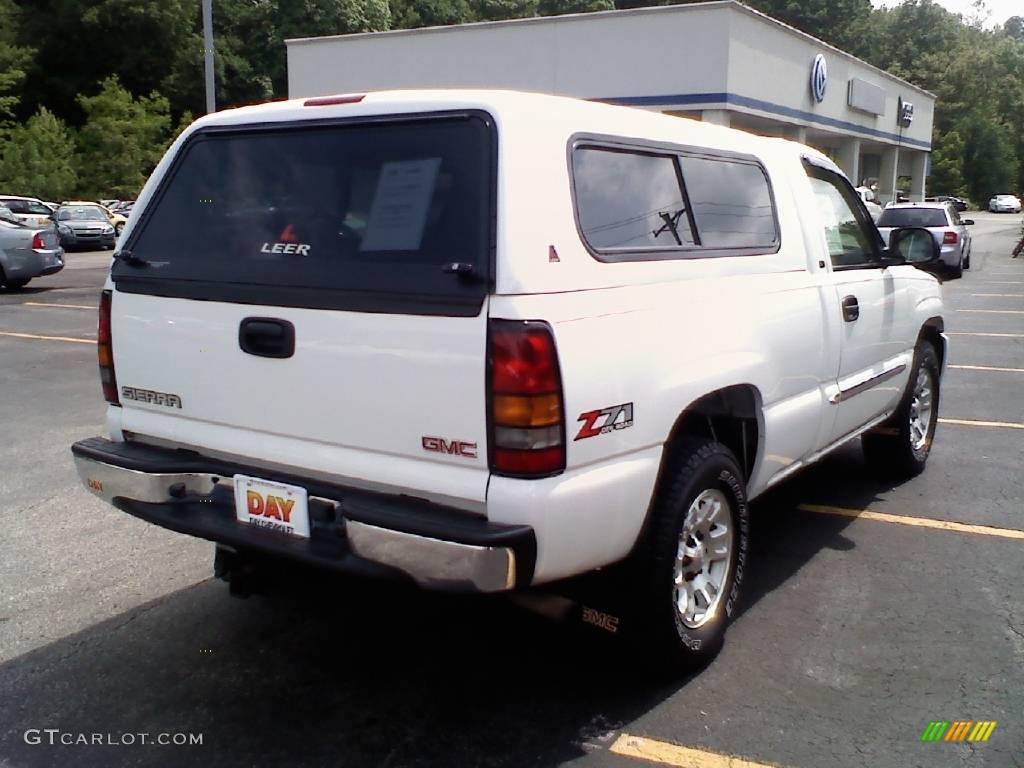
(12, 285)
(692, 568)
(900, 447)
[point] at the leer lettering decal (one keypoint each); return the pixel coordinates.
(605, 420)
(455, 447)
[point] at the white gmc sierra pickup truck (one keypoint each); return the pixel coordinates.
(486, 340)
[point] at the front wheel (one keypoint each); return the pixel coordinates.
(692, 568)
(900, 447)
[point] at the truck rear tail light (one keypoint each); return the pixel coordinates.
(950, 238)
(527, 419)
(105, 351)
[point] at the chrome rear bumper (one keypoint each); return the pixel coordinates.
(475, 556)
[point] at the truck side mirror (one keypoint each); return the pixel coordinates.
(917, 246)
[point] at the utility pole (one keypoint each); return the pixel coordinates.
(211, 94)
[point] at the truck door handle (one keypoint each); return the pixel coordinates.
(851, 309)
(266, 337)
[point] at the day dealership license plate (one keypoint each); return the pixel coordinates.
(273, 506)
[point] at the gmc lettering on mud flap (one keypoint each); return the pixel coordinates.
(605, 420)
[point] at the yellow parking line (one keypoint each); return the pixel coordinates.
(986, 368)
(998, 335)
(71, 339)
(920, 522)
(994, 311)
(1000, 295)
(63, 306)
(972, 423)
(662, 752)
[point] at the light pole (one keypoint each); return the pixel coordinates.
(211, 95)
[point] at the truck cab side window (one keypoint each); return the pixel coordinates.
(848, 228)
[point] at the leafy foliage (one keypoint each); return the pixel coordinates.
(14, 60)
(39, 159)
(122, 140)
(990, 162)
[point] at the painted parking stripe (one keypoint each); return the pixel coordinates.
(664, 753)
(920, 522)
(70, 339)
(972, 423)
(1000, 295)
(985, 368)
(62, 306)
(993, 335)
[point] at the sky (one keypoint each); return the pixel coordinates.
(1000, 10)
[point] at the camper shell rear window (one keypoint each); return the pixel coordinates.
(366, 215)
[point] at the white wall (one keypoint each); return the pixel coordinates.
(773, 63)
(597, 55)
(708, 48)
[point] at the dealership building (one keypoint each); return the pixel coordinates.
(720, 62)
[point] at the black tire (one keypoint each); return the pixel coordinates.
(694, 468)
(892, 449)
(14, 285)
(967, 260)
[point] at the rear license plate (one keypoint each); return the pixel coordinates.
(274, 506)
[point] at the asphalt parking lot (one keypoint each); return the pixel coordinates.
(871, 609)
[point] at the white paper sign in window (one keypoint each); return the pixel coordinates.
(400, 206)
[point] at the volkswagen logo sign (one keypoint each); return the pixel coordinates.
(819, 78)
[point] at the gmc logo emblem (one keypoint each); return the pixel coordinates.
(455, 447)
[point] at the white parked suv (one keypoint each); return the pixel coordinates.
(486, 340)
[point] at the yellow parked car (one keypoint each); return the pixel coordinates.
(117, 221)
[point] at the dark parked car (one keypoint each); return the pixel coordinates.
(958, 202)
(90, 224)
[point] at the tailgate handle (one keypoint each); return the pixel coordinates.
(267, 337)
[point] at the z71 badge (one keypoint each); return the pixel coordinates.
(605, 420)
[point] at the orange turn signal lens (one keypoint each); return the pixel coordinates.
(104, 356)
(527, 411)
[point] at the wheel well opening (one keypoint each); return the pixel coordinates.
(728, 416)
(933, 332)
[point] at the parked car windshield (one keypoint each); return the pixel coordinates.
(913, 217)
(81, 213)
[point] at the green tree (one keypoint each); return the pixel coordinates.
(948, 165)
(1014, 27)
(409, 14)
(14, 60)
(81, 42)
(122, 140)
(559, 7)
(842, 23)
(39, 159)
(990, 162)
(498, 10)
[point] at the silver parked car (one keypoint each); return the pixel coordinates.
(27, 252)
(943, 221)
(1004, 204)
